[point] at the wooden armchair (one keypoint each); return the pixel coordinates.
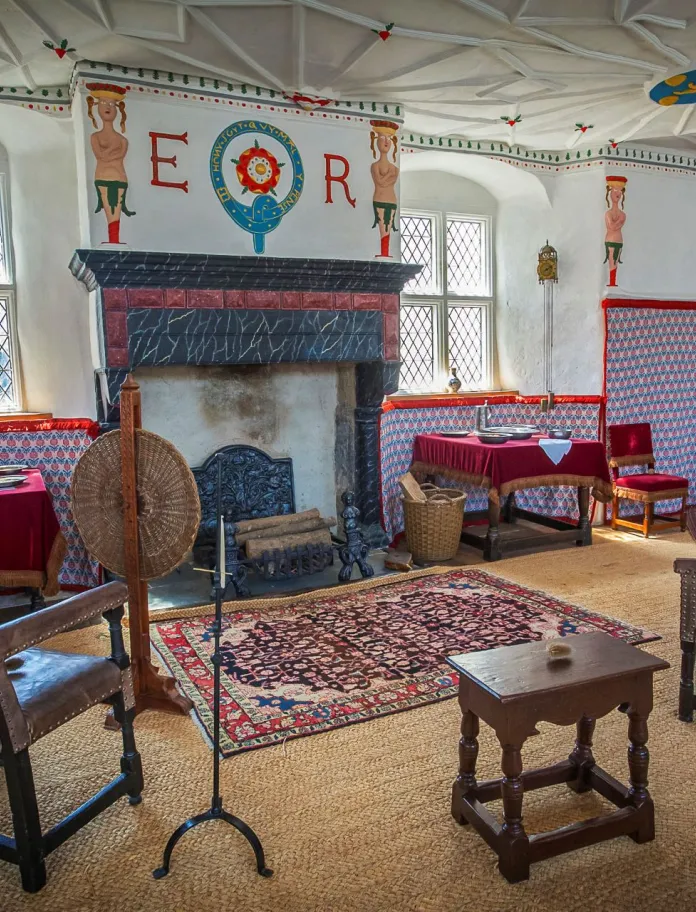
(40, 689)
(631, 445)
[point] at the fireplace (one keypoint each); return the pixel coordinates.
(163, 312)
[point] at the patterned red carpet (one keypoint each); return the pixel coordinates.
(322, 662)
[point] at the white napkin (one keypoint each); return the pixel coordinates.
(555, 449)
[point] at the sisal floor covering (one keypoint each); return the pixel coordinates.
(357, 819)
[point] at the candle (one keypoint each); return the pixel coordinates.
(221, 556)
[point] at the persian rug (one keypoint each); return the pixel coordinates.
(314, 663)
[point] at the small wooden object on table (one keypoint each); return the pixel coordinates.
(514, 688)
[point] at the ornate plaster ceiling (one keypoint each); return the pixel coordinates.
(459, 67)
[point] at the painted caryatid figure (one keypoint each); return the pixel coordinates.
(110, 148)
(614, 219)
(383, 141)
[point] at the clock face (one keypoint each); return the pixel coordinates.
(546, 270)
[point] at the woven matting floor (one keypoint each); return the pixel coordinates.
(357, 819)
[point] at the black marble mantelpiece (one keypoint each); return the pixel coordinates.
(107, 268)
(158, 337)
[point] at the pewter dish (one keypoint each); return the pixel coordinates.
(487, 437)
(12, 469)
(559, 433)
(516, 432)
(454, 433)
(12, 481)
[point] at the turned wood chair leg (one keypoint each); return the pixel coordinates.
(647, 519)
(614, 511)
(682, 515)
(25, 818)
(130, 759)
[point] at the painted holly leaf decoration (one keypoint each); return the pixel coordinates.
(62, 48)
(583, 128)
(511, 121)
(613, 143)
(384, 33)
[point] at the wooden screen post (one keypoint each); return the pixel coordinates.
(152, 689)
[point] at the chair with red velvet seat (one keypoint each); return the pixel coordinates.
(631, 445)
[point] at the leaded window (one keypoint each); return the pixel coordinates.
(446, 311)
(10, 399)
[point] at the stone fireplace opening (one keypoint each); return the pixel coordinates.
(303, 411)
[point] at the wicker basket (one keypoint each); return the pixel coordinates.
(433, 528)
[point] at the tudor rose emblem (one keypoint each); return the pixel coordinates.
(268, 167)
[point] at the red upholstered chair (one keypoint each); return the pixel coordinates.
(631, 445)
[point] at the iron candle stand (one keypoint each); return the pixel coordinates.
(216, 810)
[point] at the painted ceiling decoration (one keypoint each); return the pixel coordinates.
(456, 67)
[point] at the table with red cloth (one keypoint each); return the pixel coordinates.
(513, 466)
(32, 546)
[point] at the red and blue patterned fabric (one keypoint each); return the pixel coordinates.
(650, 376)
(400, 425)
(54, 447)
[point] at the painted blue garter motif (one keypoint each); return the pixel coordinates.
(258, 172)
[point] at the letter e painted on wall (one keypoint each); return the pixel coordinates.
(341, 179)
(157, 160)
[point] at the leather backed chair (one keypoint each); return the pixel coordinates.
(40, 689)
(631, 445)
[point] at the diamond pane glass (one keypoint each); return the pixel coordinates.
(467, 345)
(7, 387)
(417, 346)
(417, 247)
(466, 257)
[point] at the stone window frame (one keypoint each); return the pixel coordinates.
(8, 297)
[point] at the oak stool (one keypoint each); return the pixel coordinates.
(515, 687)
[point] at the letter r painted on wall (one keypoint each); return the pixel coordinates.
(341, 179)
(157, 160)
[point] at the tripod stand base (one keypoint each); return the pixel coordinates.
(214, 814)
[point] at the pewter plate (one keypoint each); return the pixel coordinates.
(487, 437)
(559, 433)
(516, 432)
(12, 469)
(12, 481)
(454, 433)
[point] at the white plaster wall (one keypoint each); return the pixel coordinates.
(658, 236)
(439, 191)
(573, 222)
(53, 311)
(285, 410)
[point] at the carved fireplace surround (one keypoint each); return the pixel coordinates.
(160, 309)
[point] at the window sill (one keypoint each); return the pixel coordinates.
(437, 400)
(7, 417)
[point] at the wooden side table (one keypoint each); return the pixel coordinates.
(514, 688)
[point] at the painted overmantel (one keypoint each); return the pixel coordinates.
(191, 161)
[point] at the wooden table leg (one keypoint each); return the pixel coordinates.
(510, 509)
(491, 545)
(468, 754)
(638, 758)
(513, 855)
(584, 520)
(582, 755)
(686, 682)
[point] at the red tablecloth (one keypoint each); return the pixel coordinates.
(513, 466)
(32, 547)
